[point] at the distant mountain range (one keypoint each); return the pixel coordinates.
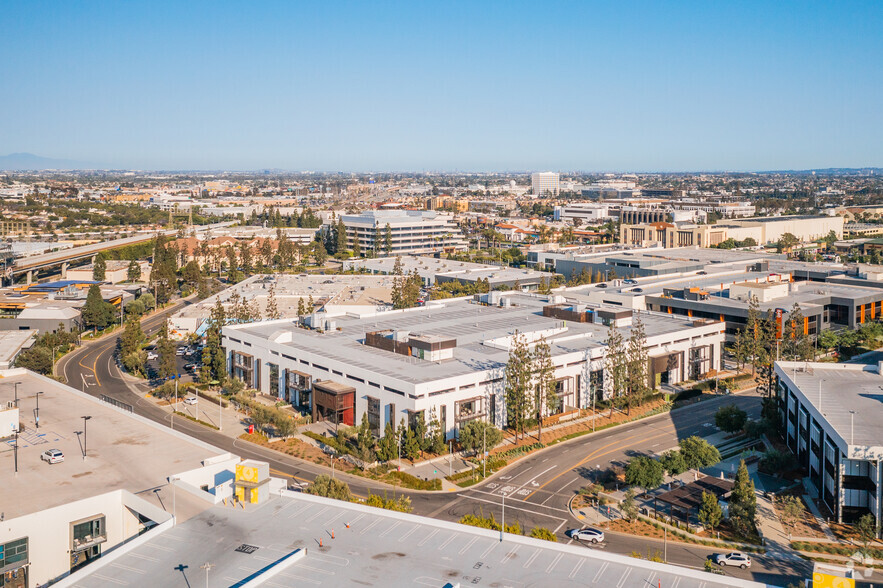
(29, 162)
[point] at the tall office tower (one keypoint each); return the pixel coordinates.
(544, 184)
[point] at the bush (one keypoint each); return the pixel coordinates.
(673, 462)
(644, 472)
(328, 487)
(543, 533)
(490, 523)
(415, 483)
(698, 453)
(777, 462)
(730, 418)
(400, 504)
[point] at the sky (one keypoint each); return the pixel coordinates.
(615, 86)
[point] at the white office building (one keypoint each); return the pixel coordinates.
(544, 184)
(448, 358)
(408, 231)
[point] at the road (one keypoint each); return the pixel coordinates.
(538, 487)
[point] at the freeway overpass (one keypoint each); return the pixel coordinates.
(29, 265)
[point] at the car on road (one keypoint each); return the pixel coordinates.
(702, 273)
(52, 456)
(735, 558)
(630, 281)
(151, 356)
(189, 366)
(638, 290)
(589, 534)
(180, 351)
(191, 400)
(600, 285)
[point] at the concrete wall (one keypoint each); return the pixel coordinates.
(49, 532)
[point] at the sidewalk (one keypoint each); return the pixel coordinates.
(775, 539)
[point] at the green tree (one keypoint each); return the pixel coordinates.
(365, 442)
(730, 418)
(192, 274)
(37, 359)
(132, 337)
(148, 301)
(272, 308)
(387, 446)
(644, 472)
(410, 443)
(387, 239)
(673, 462)
(135, 362)
(636, 364)
(436, 434)
(476, 434)
(284, 427)
(786, 242)
(796, 343)
(133, 273)
(866, 529)
(214, 356)
(698, 453)
(99, 268)
(629, 506)
(166, 351)
(340, 237)
(96, 313)
(301, 308)
(518, 384)
(743, 502)
(545, 398)
(710, 512)
(325, 485)
(616, 365)
(320, 254)
(203, 291)
(357, 247)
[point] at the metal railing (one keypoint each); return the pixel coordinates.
(117, 403)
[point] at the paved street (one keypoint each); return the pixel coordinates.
(538, 488)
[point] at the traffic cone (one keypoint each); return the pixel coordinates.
(320, 542)
(332, 533)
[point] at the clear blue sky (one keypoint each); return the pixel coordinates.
(367, 86)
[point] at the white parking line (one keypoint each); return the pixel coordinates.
(576, 568)
(428, 537)
(625, 576)
(317, 515)
(393, 526)
(600, 571)
(408, 534)
(489, 549)
(554, 563)
(301, 566)
(511, 554)
(109, 579)
(447, 541)
(142, 556)
(468, 545)
(300, 578)
(369, 527)
(532, 558)
(128, 568)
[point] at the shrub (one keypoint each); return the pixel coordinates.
(673, 462)
(777, 462)
(543, 533)
(415, 483)
(644, 472)
(698, 453)
(489, 523)
(730, 418)
(329, 487)
(400, 504)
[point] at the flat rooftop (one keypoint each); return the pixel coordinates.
(125, 451)
(837, 389)
(469, 323)
(428, 267)
(380, 548)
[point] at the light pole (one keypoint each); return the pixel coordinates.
(503, 524)
(484, 450)
(16, 394)
(85, 420)
(15, 450)
(207, 566)
(174, 502)
(37, 412)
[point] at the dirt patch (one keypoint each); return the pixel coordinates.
(388, 555)
(803, 526)
(129, 441)
(81, 475)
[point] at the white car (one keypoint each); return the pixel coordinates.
(736, 558)
(587, 534)
(191, 400)
(151, 356)
(52, 456)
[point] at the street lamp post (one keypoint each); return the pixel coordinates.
(37, 412)
(15, 450)
(503, 523)
(16, 394)
(85, 450)
(852, 427)
(207, 566)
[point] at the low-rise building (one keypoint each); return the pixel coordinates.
(117, 271)
(448, 358)
(831, 416)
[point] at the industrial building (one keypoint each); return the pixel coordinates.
(448, 358)
(544, 184)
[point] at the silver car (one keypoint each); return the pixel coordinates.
(736, 558)
(52, 456)
(590, 534)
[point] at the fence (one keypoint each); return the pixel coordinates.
(117, 403)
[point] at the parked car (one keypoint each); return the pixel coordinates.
(702, 273)
(151, 355)
(629, 281)
(590, 534)
(180, 351)
(191, 400)
(189, 366)
(600, 285)
(52, 456)
(638, 290)
(736, 558)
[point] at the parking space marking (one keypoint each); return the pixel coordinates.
(510, 554)
(357, 519)
(625, 576)
(369, 527)
(391, 527)
(489, 549)
(408, 534)
(600, 571)
(531, 559)
(447, 541)
(313, 569)
(317, 514)
(468, 545)
(109, 579)
(428, 537)
(337, 516)
(554, 563)
(576, 568)
(299, 511)
(142, 556)
(127, 568)
(331, 559)
(160, 547)
(300, 578)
